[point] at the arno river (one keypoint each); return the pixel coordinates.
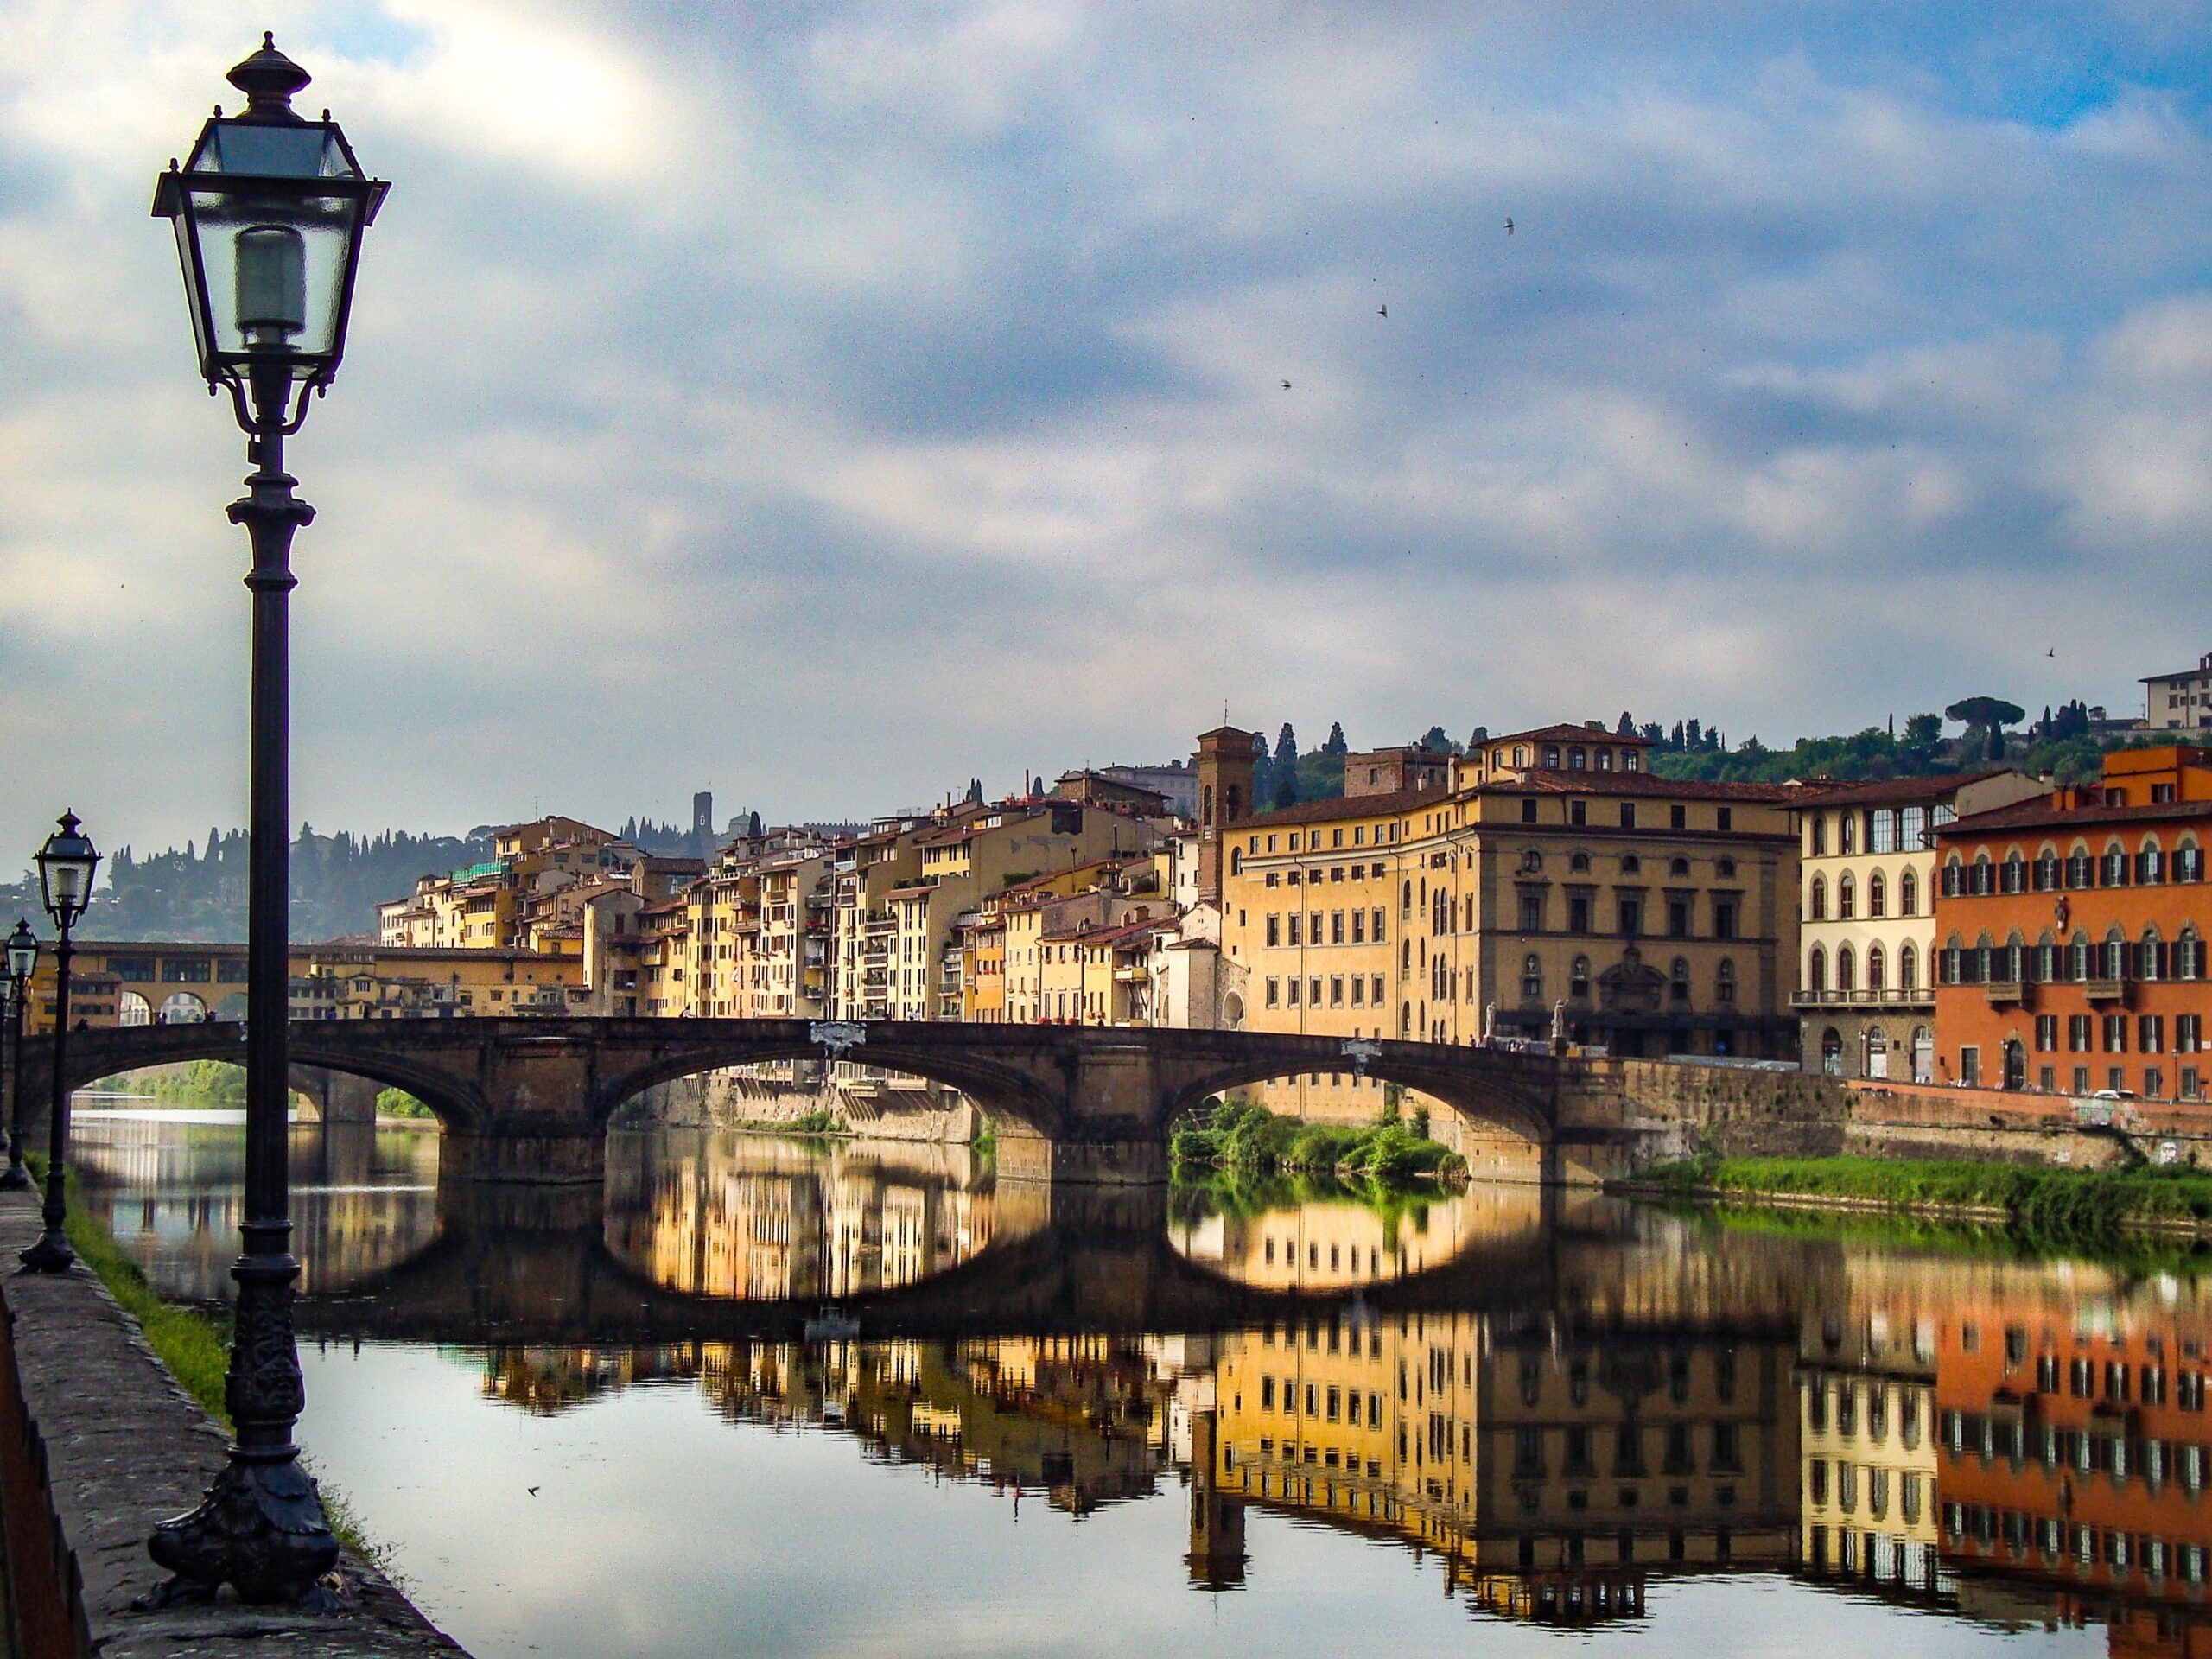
(1493, 1421)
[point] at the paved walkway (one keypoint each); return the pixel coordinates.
(126, 1447)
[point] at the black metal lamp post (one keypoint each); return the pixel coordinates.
(22, 961)
(268, 214)
(65, 866)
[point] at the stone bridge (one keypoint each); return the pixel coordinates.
(530, 1099)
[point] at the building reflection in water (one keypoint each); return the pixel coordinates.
(364, 1197)
(2015, 1443)
(760, 1219)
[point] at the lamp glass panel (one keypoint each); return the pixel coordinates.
(324, 227)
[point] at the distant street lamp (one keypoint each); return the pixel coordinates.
(22, 962)
(66, 866)
(269, 215)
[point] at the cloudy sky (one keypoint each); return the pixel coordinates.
(828, 403)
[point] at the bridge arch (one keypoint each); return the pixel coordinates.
(999, 1090)
(1498, 1102)
(102, 1053)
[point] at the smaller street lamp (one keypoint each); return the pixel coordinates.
(65, 865)
(22, 960)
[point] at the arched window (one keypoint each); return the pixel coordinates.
(1532, 978)
(1724, 985)
(1816, 972)
(1846, 896)
(1578, 979)
(2111, 869)
(1877, 970)
(1907, 970)
(1908, 894)
(1678, 980)
(1877, 895)
(1816, 906)
(1846, 968)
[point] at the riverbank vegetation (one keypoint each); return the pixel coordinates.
(2056, 1203)
(1242, 1135)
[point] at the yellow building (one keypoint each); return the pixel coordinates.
(1647, 916)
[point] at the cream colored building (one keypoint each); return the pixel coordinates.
(1865, 993)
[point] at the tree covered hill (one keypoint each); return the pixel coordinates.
(199, 894)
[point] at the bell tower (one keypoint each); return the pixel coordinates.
(1223, 763)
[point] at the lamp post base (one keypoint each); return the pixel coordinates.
(51, 1254)
(260, 1529)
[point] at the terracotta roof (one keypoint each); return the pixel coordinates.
(1568, 734)
(1898, 791)
(1347, 806)
(2040, 814)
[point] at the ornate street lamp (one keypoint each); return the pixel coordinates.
(22, 962)
(269, 215)
(66, 866)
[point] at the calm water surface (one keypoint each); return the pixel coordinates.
(1261, 1420)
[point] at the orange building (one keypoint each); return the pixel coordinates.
(2072, 1453)
(2071, 935)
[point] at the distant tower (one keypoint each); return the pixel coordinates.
(703, 815)
(1223, 763)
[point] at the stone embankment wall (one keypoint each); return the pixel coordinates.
(725, 1100)
(1667, 1111)
(97, 1442)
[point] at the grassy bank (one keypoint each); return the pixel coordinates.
(194, 1343)
(1240, 1135)
(2060, 1203)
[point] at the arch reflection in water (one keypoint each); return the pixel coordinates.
(1317, 1235)
(755, 1219)
(169, 1185)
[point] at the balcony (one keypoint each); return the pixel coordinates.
(1887, 997)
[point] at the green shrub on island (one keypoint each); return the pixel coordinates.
(397, 1103)
(1244, 1134)
(2060, 1202)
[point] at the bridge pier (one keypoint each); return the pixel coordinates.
(1082, 1162)
(541, 1160)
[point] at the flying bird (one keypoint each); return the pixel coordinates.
(1509, 228)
